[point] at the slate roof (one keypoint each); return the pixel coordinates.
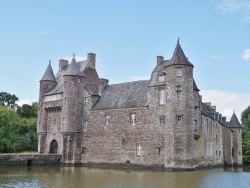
(49, 74)
(93, 89)
(234, 122)
(73, 69)
(179, 57)
(124, 95)
(195, 86)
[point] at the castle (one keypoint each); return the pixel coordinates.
(161, 122)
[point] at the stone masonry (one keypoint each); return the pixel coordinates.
(159, 123)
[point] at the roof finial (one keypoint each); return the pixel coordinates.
(178, 40)
(49, 61)
(73, 55)
(234, 111)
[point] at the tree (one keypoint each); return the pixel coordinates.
(245, 119)
(28, 111)
(8, 100)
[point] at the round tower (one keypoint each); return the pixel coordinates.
(47, 83)
(179, 86)
(72, 111)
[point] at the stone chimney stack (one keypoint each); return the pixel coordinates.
(91, 60)
(160, 60)
(62, 64)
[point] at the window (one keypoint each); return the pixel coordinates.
(159, 151)
(85, 124)
(162, 121)
(216, 139)
(161, 78)
(207, 125)
(63, 121)
(179, 71)
(132, 119)
(84, 150)
(138, 150)
(53, 97)
(209, 149)
(195, 125)
(107, 120)
(123, 142)
(178, 95)
(179, 119)
(162, 96)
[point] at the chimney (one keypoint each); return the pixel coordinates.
(160, 60)
(91, 60)
(102, 83)
(224, 119)
(62, 64)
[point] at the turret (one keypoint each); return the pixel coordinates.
(236, 128)
(179, 92)
(72, 111)
(47, 83)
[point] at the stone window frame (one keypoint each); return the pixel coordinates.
(179, 119)
(162, 96)
(138, 150)
(107, 120)
(178, 95)
(195, 125)
(178, 71)
(133, 118)
(63, 121)
(85, 124)
(161, 78)
(162, 120)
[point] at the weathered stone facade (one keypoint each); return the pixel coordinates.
(161, 122)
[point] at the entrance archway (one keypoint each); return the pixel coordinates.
(53, 146)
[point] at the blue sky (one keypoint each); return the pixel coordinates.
(126, 37)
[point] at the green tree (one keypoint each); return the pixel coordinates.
(8, 100)
(245, 119)
(28, 111)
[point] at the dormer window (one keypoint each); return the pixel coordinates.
(178, 71)
(161, 78)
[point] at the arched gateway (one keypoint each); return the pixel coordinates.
(53, 146)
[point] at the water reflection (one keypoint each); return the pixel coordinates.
(55, 176)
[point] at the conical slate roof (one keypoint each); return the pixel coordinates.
(73, 69)
(179, 57)
(49, 74)
(234, 122)
(195, 86)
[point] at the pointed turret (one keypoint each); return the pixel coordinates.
(73, 69)
(234, 122)
(179, 57)
(49, 74)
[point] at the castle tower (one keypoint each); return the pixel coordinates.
(47, 83)
(72, 112)
(179, 89)
(236, 139)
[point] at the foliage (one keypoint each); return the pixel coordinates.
(18, 129)
(8, 100)
(245, 119)
(28, 111)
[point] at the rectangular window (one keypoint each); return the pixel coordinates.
(195, 125)
(179, 119)
(207, 126)
(138, 150)
(132, 119)
(161, 78)
(162, 121)
(179, 71)
(85, 124)
(107, 120)
(209, 149)
(162, 96)
(178, 95)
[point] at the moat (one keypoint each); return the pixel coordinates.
(56, 176)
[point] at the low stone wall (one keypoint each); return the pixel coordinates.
(29, 159)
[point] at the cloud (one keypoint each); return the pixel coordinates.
(241, 7)
(78, 58)
(136, 78)
(226, 102)
(219, 57)
(24, 101)
(246, 55)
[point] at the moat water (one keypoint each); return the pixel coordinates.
(56, 176)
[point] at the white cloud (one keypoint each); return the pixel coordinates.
(78, 58)
(136, 78)
(24, 101)
(235, 6)
(246, 55)
(43, 32)
(218, 57)
(226, 102)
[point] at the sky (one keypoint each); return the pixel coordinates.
(126, 37)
